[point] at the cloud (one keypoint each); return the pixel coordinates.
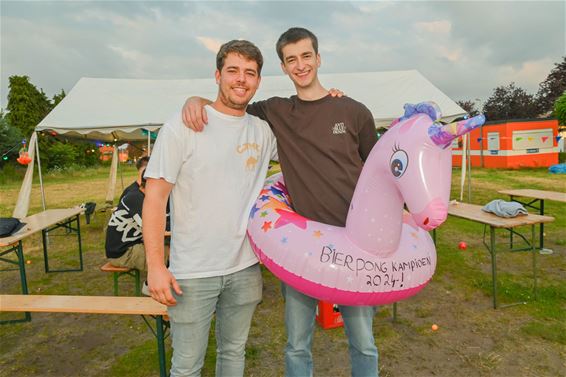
(211, 44)
(466, 48)
(527, 75)
(438, 27)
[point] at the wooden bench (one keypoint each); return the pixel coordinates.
(117, 272)
(93, 305)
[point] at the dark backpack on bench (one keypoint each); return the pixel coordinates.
(9, 226)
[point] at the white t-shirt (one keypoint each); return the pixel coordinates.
(217, 175)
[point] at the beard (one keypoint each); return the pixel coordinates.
(236, 104)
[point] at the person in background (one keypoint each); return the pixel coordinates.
(141, 163)
(124, 243)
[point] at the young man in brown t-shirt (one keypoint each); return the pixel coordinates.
(322, 142)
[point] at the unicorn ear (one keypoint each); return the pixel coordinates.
(443, 134)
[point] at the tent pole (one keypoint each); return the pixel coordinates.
(468, 151)
(120, 168)
(463, 172)
(481, 146)
(39, 170)
(112, 179)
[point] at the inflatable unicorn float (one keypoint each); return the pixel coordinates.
(383, 254)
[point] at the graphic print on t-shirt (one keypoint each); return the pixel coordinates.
(339, 128)
(251, 161)
(127, 226)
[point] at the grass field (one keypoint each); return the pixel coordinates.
(472, 340)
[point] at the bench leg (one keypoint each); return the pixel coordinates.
(135, 273)
(161, 346)
(80, 243)
(534, 251)
(23, 279)
(138, 282)
(67, 224)
(493, 265)
(115, 277)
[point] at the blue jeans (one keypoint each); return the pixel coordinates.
(300, 313)
(234, 297)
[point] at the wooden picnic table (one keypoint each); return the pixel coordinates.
(537, 196)
(45, 222)
(144, 306)
(475, 213)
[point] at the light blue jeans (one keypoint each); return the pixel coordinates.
(300, 311)
(234, 298)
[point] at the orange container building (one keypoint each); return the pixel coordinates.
(512, 144)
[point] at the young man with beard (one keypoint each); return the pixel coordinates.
(322, 142)
(214, 178)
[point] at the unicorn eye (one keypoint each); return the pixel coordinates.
(399, 162)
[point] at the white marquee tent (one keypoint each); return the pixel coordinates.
(114, 110)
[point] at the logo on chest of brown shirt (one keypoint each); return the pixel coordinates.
(339, 128)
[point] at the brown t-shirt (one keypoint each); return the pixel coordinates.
(321, 145)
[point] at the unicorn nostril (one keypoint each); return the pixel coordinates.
(425, 222)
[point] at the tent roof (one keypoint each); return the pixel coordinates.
(108, 109)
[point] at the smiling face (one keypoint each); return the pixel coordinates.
(237, 82)
(300, 63)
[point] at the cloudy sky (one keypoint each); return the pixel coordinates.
(466, 48)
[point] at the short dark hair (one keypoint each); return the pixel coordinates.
(143, 178)
(241, 47)
(293, 35)
(142, 162)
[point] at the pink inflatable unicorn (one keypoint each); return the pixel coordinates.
(384, 254)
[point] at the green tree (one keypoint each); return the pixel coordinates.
(27, 106)
(560, 110)
(469, 106)
(10, 140)
(510, 102)
(58, 98)
(552, 87)
(60, 155)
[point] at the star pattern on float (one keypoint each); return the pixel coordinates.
(276, 191)
(275, 204)
(266, 226)
(289, 217)
(263, 192)
(253, 211)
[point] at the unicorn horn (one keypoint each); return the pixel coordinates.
(443, 134)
